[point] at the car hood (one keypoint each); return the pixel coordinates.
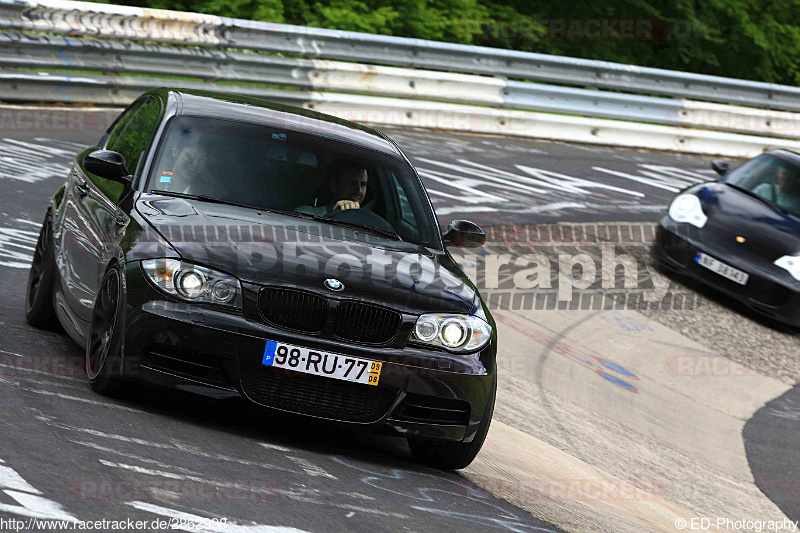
(278, 250)
(734, 216)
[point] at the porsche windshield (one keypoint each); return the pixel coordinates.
(283, 170)
(770, 178)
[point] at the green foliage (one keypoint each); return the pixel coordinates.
(751, 39)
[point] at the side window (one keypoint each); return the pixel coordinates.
(116, 127)
(406, 214)
(136, 133)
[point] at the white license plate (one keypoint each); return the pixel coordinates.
(319, 363)
(726, 271)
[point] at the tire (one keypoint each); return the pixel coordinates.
(39, 294)
(448, 455)
(104, 341)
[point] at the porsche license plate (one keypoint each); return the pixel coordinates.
(724, 270)
(319, 363)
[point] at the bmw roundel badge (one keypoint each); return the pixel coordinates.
(334, 284)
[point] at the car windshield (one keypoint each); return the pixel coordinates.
(772, 179)
(301, 174)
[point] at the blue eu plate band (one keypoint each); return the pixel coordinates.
(269, 353)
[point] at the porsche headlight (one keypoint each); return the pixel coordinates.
(192, 282)
(457, 333)
(687, 208)
(791, 264)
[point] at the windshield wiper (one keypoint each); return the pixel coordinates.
(761, 198)
(204, 198)
(367, 229)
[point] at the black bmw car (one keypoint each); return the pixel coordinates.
(230, 246)
(741, 234)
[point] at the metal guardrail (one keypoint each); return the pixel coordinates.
(87, 56)
(122, 22)
(54, 53)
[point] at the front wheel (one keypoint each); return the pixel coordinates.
(39, 295)
(104, 342)
(454, 455)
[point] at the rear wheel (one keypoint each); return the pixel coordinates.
(104, 342)
(39, 296)
(453, 455)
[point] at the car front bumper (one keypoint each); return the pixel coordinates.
(426, 394)
(769, 290)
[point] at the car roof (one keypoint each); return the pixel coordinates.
(273, 114)
(786, 155)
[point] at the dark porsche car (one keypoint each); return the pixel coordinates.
(741, 234)
(231, 246)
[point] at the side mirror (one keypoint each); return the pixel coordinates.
(109, 165)
(464, 234)
(720, 167)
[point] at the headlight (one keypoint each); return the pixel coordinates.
(687, 208)
(193, 283)
(457, 333)
(791, 264)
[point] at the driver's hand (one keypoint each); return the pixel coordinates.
(345, 204)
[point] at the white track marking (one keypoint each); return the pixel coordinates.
(556, 206)
(35, 161)
(294, 494)
(567, 183)
(660, 181)
(35, 507)
(83, 400)
(32, 371)
(310, 468)
(31, 503)
(31, 222)
(10, 479)
(491, 174)
(681, 174)
(188, 477)
(471, 200)
(171, 446)
(533, 180)
(464, 184)
(460, 208)
(16, 247)
(193, 521)
(274, 447)
(131, 456)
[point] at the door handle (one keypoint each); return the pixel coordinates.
(81, 189)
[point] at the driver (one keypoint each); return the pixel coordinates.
(185, 166)
(787, 192)
(348, 188)
(189, 163)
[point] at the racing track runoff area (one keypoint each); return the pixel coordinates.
(618, 407)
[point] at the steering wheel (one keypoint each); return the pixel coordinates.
(362, 216)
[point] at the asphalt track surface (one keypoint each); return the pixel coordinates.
(77, 455)
(770, 438)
